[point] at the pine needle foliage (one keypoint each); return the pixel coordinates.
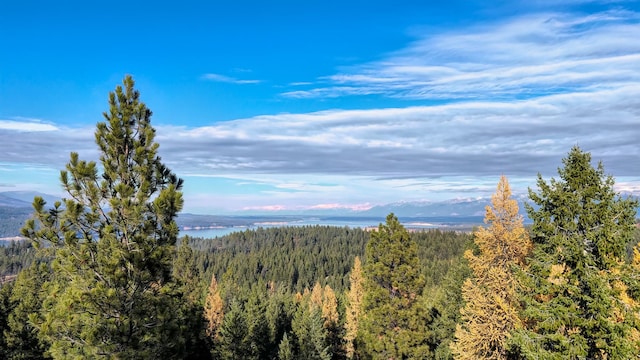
(393, 325)
(112, 294)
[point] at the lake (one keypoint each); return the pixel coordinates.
(352, 222)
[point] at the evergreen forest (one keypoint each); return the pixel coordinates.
(104, 274)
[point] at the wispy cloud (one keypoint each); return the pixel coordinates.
(228, 79)
(477, 138)
(522, 57)
(26, 125)
(266, 208)
(296, 208)
(338, 206)
(472, 138)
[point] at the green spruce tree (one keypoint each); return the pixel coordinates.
(234, 343)
(258, 327)
(191, 318)
(580, 231)
(279, 312)
(393, 324)
(311, 336)
(285, 349)
(187, 274)
(112, 294)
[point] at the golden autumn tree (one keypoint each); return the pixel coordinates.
(332, 322)
(329, 307)
(213, 309)
(491, 310)
(354, 303)
(316, 296)
(325, 300)
(626, 284)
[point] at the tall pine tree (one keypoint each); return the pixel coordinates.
(310, 333)
(234, 342)
(491, 305)
(112, 294)
(186, 275)
(393, 324)
(580, 231)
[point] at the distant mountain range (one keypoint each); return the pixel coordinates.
(468, 207)
(452, 208)
(15, 208)
(23, 199)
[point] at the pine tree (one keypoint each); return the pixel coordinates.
(257, 327)
(6, 307)
(311, 336)
(354, 303)
(580, 231)
(285, 349)
(491, 310)
(191, 318)
(393, 325)
(21, 336)
(186, 273)
(447, 301)
(279, 312)
(234, 342)
(112, 293)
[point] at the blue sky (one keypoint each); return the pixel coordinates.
(295, 105)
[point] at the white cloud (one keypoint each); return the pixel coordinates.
(338, 206)
(522, 57)
(474, 138)
(228, 79)
(296, 208)
(266, 208)
(26, 125)
(409, 147)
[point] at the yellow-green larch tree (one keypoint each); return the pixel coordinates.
(329, 307)
(491, 306)
(213, 309)
(354, 304)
